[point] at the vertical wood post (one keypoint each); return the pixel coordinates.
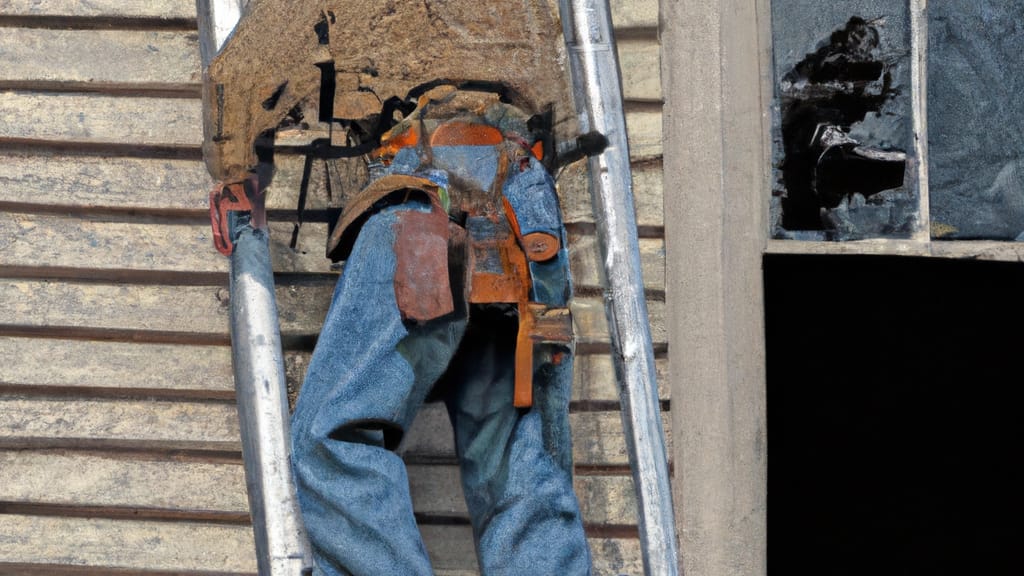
(716, 204)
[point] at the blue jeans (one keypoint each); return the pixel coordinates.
(370, 374)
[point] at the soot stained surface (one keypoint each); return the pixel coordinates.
(842, 120)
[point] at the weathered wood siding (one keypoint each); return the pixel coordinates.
(119, 444)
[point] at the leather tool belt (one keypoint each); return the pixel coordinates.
(475, 163)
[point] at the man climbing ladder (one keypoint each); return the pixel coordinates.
(431, 303)
(347, 58)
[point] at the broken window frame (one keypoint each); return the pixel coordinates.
(921, 242)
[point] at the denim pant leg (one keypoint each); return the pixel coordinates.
(368, 376)
(516, 465)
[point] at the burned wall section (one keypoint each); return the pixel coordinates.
(975, 119)
(842, 128)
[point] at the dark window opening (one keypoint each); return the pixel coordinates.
(894, 415)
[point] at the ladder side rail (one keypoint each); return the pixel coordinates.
(597, 87)
(282, 548)
(260, 384)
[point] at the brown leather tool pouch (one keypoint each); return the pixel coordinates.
(422, 287)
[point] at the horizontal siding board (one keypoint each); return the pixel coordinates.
(591, 325)
(103, 182)
(90, 480)
(585, 258)
(141, 56)
(187, 309)
(437, 490)
(140, 423)
(589, 321)
(577, 206)
(303, 307)
(641, 69)
(26, 477)
(126, 544)
(95, 243)
(148, 57)
(98, 119)
(597, 437)
(572, 188)
(162, 57)
(31, 240)
(197, 547)
(643, 128)
(451, 552)
(607, 500)
(594, 378)
(190, 425)
(283, 192)
(203, 310)
(309, 253)
(98, 364)
(177, 121)
(634, 13)
(625, 13)
(100, 8)
(450, 548)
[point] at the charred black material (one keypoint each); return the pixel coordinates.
(821, 97)
(846, 169)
